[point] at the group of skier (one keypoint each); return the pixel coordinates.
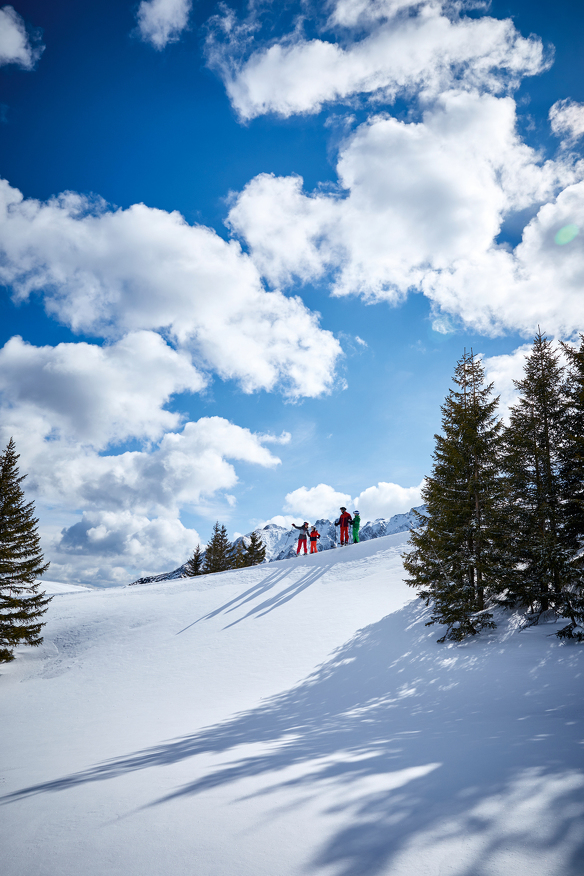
(344, 521)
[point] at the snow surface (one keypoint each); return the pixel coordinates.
(285, 720)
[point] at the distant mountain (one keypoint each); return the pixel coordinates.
(281, 541)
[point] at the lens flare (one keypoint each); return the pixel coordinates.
(566, 234)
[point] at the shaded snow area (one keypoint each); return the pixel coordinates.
(281, 542)
(285, 720)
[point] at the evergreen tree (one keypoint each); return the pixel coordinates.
(219, 552)
(256, 550)
(250, 554)
(21, 562)
(458, 559)
(194, 565)
(572, 480)
(540, 569)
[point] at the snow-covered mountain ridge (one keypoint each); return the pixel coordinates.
(281, 541)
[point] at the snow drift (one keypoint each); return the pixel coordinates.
(289, 719)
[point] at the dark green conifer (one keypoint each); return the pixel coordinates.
(21, 562)
(540, 569)
(250, 554)
(194, 565)
(219, 552)
(457, 561)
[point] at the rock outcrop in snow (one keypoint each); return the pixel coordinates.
(281, 542)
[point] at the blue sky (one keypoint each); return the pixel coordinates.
(242, 248)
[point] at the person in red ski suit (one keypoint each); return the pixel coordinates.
(344, 520)
(314, 537)
(302, 536)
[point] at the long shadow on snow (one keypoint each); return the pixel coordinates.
(263, 586)
(447, 745)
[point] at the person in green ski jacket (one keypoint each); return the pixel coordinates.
(356, 525)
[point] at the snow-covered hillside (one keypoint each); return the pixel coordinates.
(295, 719)
(281, 541)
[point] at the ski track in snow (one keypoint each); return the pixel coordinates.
(290, 719)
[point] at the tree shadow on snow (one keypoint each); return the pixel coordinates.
(417, 746)
(268, 583)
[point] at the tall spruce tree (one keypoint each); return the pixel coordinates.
(194, 565)
(22, 605)
(540, 569)
(458, 559)
(219, 551)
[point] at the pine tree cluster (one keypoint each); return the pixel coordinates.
(220, 555)
(22, 605)
(505, 524)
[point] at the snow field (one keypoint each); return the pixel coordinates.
(289, 719)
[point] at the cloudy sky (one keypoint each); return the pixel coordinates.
(243, 245)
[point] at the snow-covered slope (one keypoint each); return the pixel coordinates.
(295, 719)
(281, 542)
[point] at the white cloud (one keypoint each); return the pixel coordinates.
(185, 469)
(387, 499)
(97, 395)
(567, 120)
(162, 21)
(502, 371)
(417, 202)
(429, 52)
(112, 547)
(540, 282)
(383, 500)
(109, 272)
(16, 46)
(316, 502)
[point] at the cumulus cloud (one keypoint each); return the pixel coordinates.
(567, 120)
(68, 406)
(108, 272)
(97, 395)
(185, 469)
(17, 46)
(382, 500)
(430, 49)
(387, 499)
(502, 371)
(316, 502)
(162, 21)
(419, 205)
(109, 547)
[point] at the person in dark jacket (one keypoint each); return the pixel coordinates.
(302, 536)
(344, 520)
(314, 537)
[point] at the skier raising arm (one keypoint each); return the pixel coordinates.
(302, 536)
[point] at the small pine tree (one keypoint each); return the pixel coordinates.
(240, 556)
(219, 552)
(194, 565)
(256, 550)
(251, 554)
(21, 562)
(457, 561)
(539, 551)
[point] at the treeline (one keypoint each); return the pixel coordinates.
(505, 523)
(220, 555)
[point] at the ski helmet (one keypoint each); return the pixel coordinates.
(343, 508)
